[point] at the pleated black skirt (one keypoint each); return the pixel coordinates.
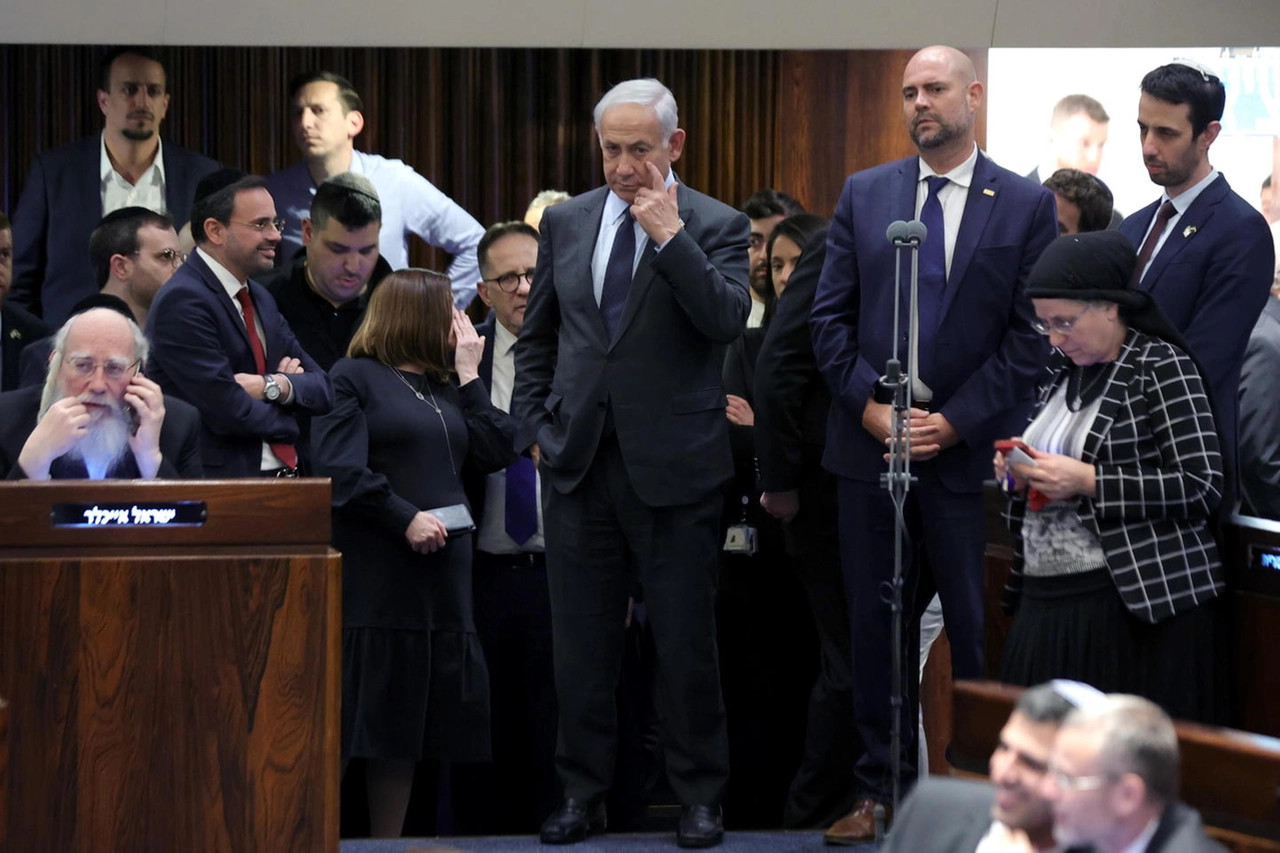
(1077, 627)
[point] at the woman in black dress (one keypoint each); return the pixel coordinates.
(401, 433)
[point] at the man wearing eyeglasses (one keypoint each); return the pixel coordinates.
(134, 252)
(221, 344)
(69, 189)
(324, 290)
(512, 605)
(97, 417)
(1113, 781)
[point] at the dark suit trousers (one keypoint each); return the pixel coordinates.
(946, 554)
(513, 619)
(823, 788)
(600, 539)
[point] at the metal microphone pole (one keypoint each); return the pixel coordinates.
(905, 236)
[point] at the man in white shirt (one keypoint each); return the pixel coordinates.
(69, 189)
(327, 117)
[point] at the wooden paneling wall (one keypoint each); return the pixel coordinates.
(491, 127)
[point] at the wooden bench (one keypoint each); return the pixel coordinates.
(1232, 777)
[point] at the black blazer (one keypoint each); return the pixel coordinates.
(60, 206)
(179, 434)
(18, 328)
(1159, 480)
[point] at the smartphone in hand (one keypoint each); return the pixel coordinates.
(1015, 452)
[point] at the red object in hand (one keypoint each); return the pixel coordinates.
(1036, 500)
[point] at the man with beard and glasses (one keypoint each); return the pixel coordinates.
(221, 344)
(978, 360)
(97, 417)
(1009, 815)
(1204, 252)
(765, 209)
(70, 189)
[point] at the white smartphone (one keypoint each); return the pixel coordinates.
(1018, 456)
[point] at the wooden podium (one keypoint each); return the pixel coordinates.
(171, 655)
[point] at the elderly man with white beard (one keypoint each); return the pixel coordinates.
(97, 417)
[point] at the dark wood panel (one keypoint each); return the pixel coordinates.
(4, 769)
(257, 513)
(172, 704)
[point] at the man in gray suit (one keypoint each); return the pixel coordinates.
(640, 285)
(1113, 781)
(956, 815)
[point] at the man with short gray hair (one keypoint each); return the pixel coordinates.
(1113, 781)
(640, 286)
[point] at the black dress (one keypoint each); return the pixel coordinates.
(414, 683)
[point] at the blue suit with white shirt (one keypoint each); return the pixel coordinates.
(980, 366)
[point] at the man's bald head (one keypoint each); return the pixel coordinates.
(940, 98)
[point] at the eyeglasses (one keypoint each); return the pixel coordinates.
(510, 282)
(1070, 782)
(173, 256)
(1061, 325)
(263, 224)
(113, 368)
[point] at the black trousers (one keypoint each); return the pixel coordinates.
(512, 793)
(944, 550)
(601, 539)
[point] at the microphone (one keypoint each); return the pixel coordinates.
(897, 232)
(904, 234)
(917, 231)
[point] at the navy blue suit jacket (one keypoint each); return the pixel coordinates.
(18, 330)
(198, 343)
(60, 206)
(986, 357)
(1211, 278)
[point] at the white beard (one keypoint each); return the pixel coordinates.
(105, 442)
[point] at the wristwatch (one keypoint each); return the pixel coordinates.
(272, 390)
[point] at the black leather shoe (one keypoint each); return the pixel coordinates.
(700, 826)
(574, 821)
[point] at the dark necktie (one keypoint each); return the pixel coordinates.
(1163, 215)
(933, 262)
(618, 272)
(521, 510)
(286, 452)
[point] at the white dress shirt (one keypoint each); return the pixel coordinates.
(492, 537)
(952, 197)
(117, 192)
(614, 207)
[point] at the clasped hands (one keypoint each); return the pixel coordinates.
(930, 432)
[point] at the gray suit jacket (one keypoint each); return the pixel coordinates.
(942, 816)
(1180, 831)
(661, 372)
(1260, 415)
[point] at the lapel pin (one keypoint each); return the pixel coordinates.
(15, 334)
(1188, 231)
(989, 192)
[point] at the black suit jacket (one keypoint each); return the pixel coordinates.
(660, 373)
(791, 400)
(179, 435)
(198, 344)
(60, 206)
(18, 328)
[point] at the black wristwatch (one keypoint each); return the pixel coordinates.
(272, 390)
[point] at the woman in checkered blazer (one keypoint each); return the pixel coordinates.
(1117, 577)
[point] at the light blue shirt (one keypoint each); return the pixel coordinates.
(410, 205)
(614, 208)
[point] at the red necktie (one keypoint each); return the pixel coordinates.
(288, 455)
(1163, 215)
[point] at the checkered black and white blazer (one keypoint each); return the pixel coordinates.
(1159, 478)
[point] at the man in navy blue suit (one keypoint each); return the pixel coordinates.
(70, 189)
(1204, 253)
(978, 359)
(220, 343)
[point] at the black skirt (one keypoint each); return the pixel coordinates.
(1077, 627)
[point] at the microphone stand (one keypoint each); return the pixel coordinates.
(905, 236)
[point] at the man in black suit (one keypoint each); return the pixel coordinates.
(1010, 814)
(97, 416)
(69, 189)
(509, 579)
(640, 286)
(18, 328)
(1113, 781)
(324, 290)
